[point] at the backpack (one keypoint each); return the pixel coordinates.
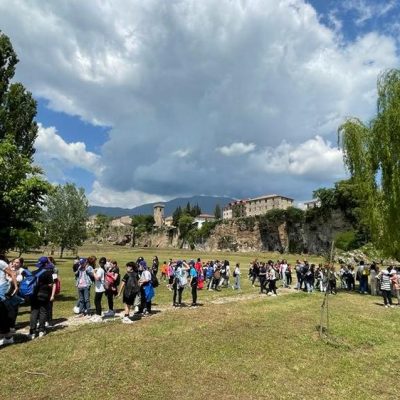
(57, 282)
(29, 285)
(154, 280)
(109, 282)
(132, 285)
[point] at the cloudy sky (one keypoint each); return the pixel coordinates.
(148, 100)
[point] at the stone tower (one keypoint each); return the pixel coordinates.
(158, 214)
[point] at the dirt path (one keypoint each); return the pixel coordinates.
(75, 320)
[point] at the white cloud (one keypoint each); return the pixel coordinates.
(169, 76)
(107, 197)
(367, 9)
(181, 153)
(236, 149)
(53, 151)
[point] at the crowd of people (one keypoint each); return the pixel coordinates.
(136, 286)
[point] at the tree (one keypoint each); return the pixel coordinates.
(101, 223)
(66, 216)
(195, 211)
(22, 187)
(185, 224)
(372, 156)
(176, 216)
(188, 208)
(217, 212)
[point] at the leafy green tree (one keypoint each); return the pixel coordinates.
(23, 188)
(27, 239)
(185, 225)
(66, 216)
(372, 156)
(101, 223)
(188, 209)
(176, 215)
(217, 212)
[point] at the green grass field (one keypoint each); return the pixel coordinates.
(236, 346)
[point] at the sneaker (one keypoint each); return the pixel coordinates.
(41, 334)
(109, 313)
(47, 324)
(32, 336)
(386, 306)
(273, 295)
(6, 341)
(127, 320)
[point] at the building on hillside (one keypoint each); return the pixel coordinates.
(91, 221)
(121, 222)
(200, 219)
(168, 221)
(158, 210)
(256, 206)
(312, 204)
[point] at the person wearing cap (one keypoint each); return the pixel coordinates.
(40, 300)
(6, 271)
(84, 277)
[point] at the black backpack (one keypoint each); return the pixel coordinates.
(154, 280)
(132, 287)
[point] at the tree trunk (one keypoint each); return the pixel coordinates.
(61, 251)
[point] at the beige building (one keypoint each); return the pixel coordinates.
(121, 222)
(256, 206)
(312, 204)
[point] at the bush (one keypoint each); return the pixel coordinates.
(346, 240)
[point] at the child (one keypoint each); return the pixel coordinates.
(130, 289)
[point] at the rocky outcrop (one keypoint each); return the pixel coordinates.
(280, 236)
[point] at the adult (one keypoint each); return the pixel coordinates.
(373, 281)
(154, 266)
(40, 300)
(262, 276)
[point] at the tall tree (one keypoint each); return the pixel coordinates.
(217, 212)
(176, 215)
(66, 217)
(22, 187)
(372, 156)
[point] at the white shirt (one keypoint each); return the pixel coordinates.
(146, 275)
(99, 283)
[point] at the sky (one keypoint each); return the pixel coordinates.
(142, 101)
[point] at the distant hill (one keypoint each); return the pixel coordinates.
(206, 203)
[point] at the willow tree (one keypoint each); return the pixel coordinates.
(372, 156)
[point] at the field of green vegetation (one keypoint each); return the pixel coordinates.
(235, 346)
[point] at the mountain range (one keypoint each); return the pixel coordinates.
(206, 203)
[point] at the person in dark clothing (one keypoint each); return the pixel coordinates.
(40, 301)
(263, 278)
(255, 272)
(193, 276)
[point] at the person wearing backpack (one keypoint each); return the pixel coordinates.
(84, 276)
(130, 289)
(42, 295)
(179, 284)
(5, 286)
(111, 282)
(146, 290)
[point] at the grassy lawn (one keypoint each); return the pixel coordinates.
(258, 348)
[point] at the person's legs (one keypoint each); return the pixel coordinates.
(110, 300)
(180, 291)
(262, 283)
(175, 294)
(194, 294)
(86, 300)
(81, 301)
(97, 302)
(43, 309)
(4, 321)
(34, 315)
(50, 312)
(389, 296)
(12, 316)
